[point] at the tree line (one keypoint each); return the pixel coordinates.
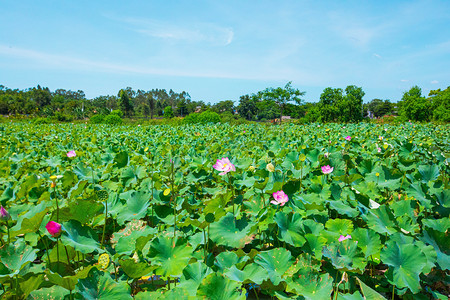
(334, 105)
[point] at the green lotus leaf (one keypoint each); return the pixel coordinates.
(381, 220)
(14, 257)
(231, 233)
(276, 262)
(136, 208)
(354, 296)
(81, 238)
(314, 244)
(192, 277)
(441, 244)
(338, 227)
(311, 286)
(121, 159)
(217, 287)
(226, 260)
(405, 263)
(100, 285)
(369, 293)
(368, 241)
(290, 228)
(345, 256)
(132, 174)
(135, 269)
(57, 292)
(416, 190)
(127, 243)
(428, 172)
(441, 225)
(170, 255)
(68, 282)
(82, 210)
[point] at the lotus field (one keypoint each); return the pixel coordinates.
(355, 211)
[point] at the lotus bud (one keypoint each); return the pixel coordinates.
(252, 168)
(53, 228)
(4, 215)
(270, 167)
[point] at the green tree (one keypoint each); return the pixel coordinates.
(414, 106)
(350, 107)
(328, 104)
(335, 106)
(247, 106)
(168, 112)
(282, 96)
(440, 104)
(124, 102)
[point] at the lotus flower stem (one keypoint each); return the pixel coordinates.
(393, 291)
(9, 237)
(57, 205)
(57, 252)
(104, 225)
(67, 254)
(174, 198)
(204, 245)
(46, 247)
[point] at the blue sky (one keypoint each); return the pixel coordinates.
(220, 50)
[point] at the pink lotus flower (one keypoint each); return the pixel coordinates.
(224, 165)
(4, 215)
(53, 228)
(343, 238)
(280, 198)
(71, 153)
(327, 169)
(378, 149)
(348, 138)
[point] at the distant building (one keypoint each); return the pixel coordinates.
(370, 114)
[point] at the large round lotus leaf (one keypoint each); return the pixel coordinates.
(229, 232)
(276, 262)
(193, 275)
(56, 292)
(405, 262)
(218, 287)
(81, 238)
(345, 256)
(368, 241)
(136, 208)
(100, 285)
(290, 228)
(226, 260)
(311, 286)
(135, 269)
(171, 255)
(68, 282)
(14, 256)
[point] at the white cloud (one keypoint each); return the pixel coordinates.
(189, 32)
(377, 55)
(404, 80)
(434, 82)
(32, 58)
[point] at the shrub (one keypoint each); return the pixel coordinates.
(191, 118)
(117, 112)
(96, 119)
(208, 117)
(61, 117)
(38, 121)
(113, 120)
(168, 112)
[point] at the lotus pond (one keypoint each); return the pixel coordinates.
(356, 211)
